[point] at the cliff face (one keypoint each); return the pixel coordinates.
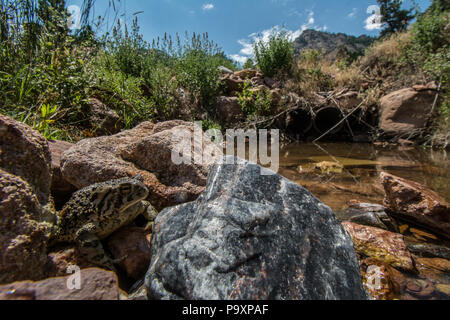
(333, 45)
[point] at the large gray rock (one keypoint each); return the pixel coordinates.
(252, 236)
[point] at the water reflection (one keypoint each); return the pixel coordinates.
(311, 165)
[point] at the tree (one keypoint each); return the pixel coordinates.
(393, 17)
(249, 64)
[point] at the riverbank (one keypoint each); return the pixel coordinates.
(396, 249)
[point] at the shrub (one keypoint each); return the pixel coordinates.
(41, 63)
(254, 102)
(276, 56)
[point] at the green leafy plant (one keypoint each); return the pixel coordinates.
(254, 102)
(276, 56)
(47, 116)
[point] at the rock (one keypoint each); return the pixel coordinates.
(232, 84)
(444, 288)
(372, 215)
(429, 86)
(62, 258)
(378, 280)
(131, 245)
(384, 282)
(434, 268)
(415, 202)
(23, 237)
(96, 284)
(225, 70)
(421, 289)
(228, 109)
(140, 294)
(61, 188)
(104, 120)
(404, 111)
(329, 167)
(252, 237)
(427, 250)
(25, 153)
(272, 83)
(256, 82)
(276, 96)
(349, 100)
(246, 74)
(382, 245)
(145, 150)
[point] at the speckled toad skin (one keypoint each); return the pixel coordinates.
(95, 212)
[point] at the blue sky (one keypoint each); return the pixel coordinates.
(233, 24)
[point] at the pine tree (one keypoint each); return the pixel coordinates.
(394, 18)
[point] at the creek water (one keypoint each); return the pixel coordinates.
(339, 172)
(359, 166)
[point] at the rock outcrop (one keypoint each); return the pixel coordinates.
(252, 236)
(415, 202)
(95, 284)
(405, 111)
(145, 150)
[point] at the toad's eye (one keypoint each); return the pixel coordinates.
(125, 189)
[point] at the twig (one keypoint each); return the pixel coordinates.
(343, 114)
(435, 100)
(254, 124)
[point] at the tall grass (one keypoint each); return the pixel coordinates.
(46, 66)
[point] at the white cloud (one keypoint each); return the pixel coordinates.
(374, 21)
(207, 7)
(353, 13)
(247, 44)
(238, 58)
(310, 23)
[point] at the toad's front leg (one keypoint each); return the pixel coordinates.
(91, 247)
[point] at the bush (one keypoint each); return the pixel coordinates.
(275, 56)
(254, 102)
(41, 64)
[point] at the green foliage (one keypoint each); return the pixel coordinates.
(41, 63)
(254, 102)
(394, 18)
(48, 113)
(276, 56)
(430, 43)
(249, 64)
(209, 124)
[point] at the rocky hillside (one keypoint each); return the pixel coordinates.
(331, 43)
